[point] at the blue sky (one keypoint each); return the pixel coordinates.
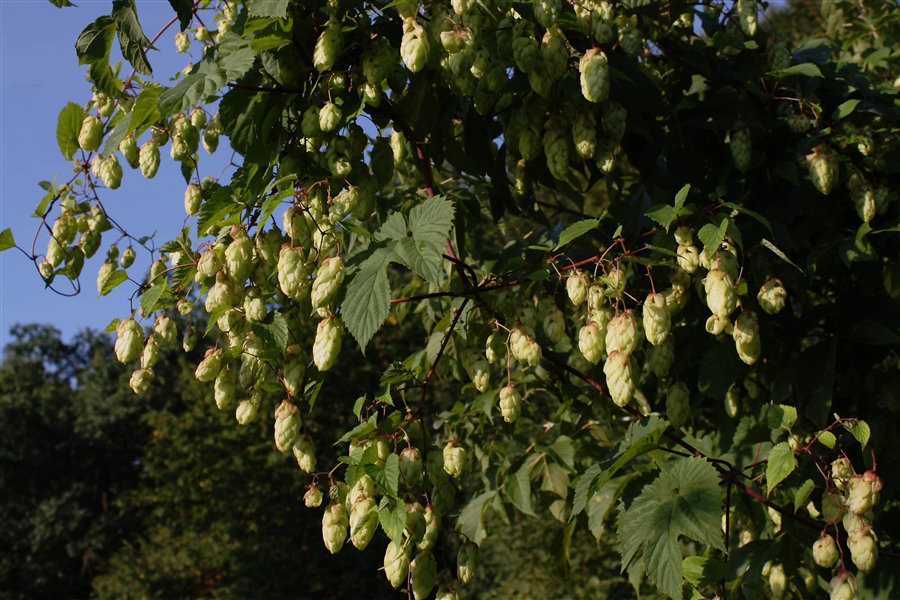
(39, 73)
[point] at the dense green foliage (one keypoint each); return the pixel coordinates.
(701, 201)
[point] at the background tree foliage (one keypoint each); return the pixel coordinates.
(701, 201)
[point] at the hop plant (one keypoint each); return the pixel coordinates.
(823, 170)
(247, 410)
(584, 134)
(363, 522)
(328, 47)
(622, 333)
(746, 337)
(328, 342)
(678, 405)
(454, 459)
(523, 346)
(140, 381)
(772, 296)
(292, 272)
(287, 425)
(294, 369)
(334, 527)
(415, 522)
(192, 199)
(224, 388)
(720, 295)
(396, 564)
(619, 380)
(432, 528)
(843, 586)
(148, 159)
(779, 56)
(423, 575)
(863, 197)
(577, 287)
(313, 497)
(825, 551)
(525, 46)
(414, 46)
(478, 370)
(741, 149)
(630, 37)
(863, 549)
(592, 342)
(510, 403)
(410, 466)
(688, 258)
(594, 71)
(91, 134)
(129, 340)
(554, 54)
(657, 321)
(447, 592)
(556, 149)
(748, 16)
(210, 366)
(329, 116)
(467, 562)
(327, 283)
(841, 472)
(554, 323)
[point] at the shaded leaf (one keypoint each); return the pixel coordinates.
(132, 40)
(422, 257)
(782, 416)
(808, 69)
(779, 253)
(576, 230)
(844, 109)
(803, 493)
(518, 489)
(431, 221)
(184, 9)
(267, 8)
(702, 571)
(368, 299)
(471, 520)
(273, 330)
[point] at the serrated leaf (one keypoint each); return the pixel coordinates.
(803, 494)
(681, 196)
(95, 41)
(575, 231)
(781, 463)
(393, 228)
(217, 207)
(396, 373)
(267, 8)
(68, 126)
(431, 221)
(702, 571)
(422, 257)
(749, 213)
(6, 239)
(808, 69)
(663, 214)
(388, 476)
(112, 325)
(582, 489)
(235, 55)
(827, 439)
(564, 451)
(115, 279)
(184, 9)
(273, 330)
(782, 416)
(205, 81)
(779, 253)
(42, 205)
(844, 109)
(471, 519)
(392, 516)
(555, 480)
(602, 501)
(518, 489)
(861, 432)
(132, 40)
(149, 299)
(712, 236)
(368, 300)
(145, 112)
(117, 134)
(684, 500)
(61, 3)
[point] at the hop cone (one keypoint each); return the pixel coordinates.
(129, 341)
(594, 75)
(510, 403)
(618, 377)
(327, 345)
(334, 527)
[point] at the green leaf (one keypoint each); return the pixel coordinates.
(368, 300)
(782, 463)
(267, 8)
(861, 432)
(235, 56)
(844, 109)
(61, 3)
(866, 331)
(518, 489)
(471, 520)
(422, 257)
(641, 437)
(712, 236)
(827, 439)
(663, 214)
(145, 112)
(782, 416)
(112, 325)
(749, 213)
(150, 298)
(396, 373)
(184, 9)
(194, 87)
(6, 239)
(386, 477)
(555, 480)
(117, 134)
(681, 196)
(600, 504)
(273, 330)
(392, 516)
(779, 253)
(68, 126)
(431, 221)
(393, 228)
(803, 494)
(564, 451)
(115, 278)
(132, 40)
(95, 41)
(702, 571)
(684, 500)
(808, 69)
(220, 204)
(576, 230)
